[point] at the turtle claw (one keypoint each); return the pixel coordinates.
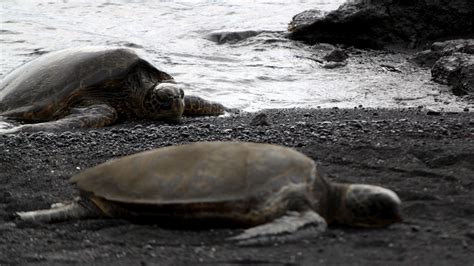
(58, 212)
(292, 226)
(304, 233)
(58, 205)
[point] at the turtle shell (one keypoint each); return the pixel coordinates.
(46, 87)
(204, 172)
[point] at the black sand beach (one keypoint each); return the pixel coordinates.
(426, 157)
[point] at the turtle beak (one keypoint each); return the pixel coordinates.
(373, 206)
(169, 102)
(177, 104)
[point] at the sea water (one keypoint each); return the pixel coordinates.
(263, 71)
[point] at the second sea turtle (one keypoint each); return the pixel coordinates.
(93, 87)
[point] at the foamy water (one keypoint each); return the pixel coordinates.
(265, 71)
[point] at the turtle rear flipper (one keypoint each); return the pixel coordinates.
(61, 212)
(97, 115)
(197, 106)
(293, 225)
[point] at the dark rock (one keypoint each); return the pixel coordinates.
(464, 83)
(447, 65)
(336, 55)
(260, 120)
(6, 197)
(375, 24)
(456, 70)
(452, 64)
(415, 228)
(231, 36)
(439, 49)
(305, 19)
(433, 112)
(470, 234)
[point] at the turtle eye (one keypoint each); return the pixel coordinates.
(162, 96)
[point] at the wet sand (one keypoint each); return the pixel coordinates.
(426, 157)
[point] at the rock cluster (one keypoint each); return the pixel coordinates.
(375, 24)
(457, 71)
(439, 49)
(452, 63)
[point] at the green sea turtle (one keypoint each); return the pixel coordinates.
(272, 189)
(93, 87)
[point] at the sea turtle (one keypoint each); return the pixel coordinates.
(272, 189)
(93, 87)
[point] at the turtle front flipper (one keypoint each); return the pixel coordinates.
(197, 106)
(62, 212)
(97, 115)
(293, 225)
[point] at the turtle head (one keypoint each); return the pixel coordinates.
(164, 102)
(369, 206)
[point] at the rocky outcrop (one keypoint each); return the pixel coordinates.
(439, 49)
(452, 63)
(378, 23)
(456, 70)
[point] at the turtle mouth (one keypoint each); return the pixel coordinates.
(172, 110)
(166, 102)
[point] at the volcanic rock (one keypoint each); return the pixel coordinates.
(375, 24)
(456, 70)
(439, 49)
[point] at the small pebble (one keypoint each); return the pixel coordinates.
(336, 55)
(6, 197)
(432, 112)
(470, 234)
(415, 228)
(260, 120)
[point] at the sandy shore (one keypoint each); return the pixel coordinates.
(427, 158)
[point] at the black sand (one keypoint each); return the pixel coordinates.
(428, 159)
